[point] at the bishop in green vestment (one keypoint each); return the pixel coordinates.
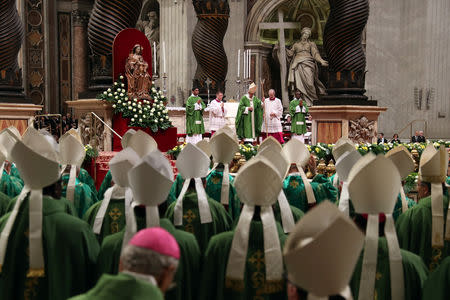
(214, 189)
(414, 270)
(84, 197)
(294, 189)
(298, 111)
(10, 185)
(106, 184)
(176, 189)
(121, 286)
(188, 271)
(249, 116)
(4, 202)
(85, 178)
(70, 254)
(221, 220)
(194, 117)
(437, 285)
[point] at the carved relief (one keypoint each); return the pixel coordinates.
(361, 130)
(92, 131)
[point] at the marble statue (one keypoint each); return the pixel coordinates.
(139, 81)
(303, 71)
(150, 28)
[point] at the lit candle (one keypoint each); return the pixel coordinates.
(249, 62)
(239, 62)
(154, 58)
(245, 64)
(164, 56)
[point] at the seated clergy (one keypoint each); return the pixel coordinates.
(421, 228)
(194, 211)
(247, 263)
(72, 155)
(150, 181)
(38, 238)
(219, 183)
(108, 216)
(327, 236)
(299, 191)
(147, 267)
(383, 270)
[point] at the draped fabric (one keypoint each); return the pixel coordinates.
(10, 185)
(106, 184)
(214, 189)
(248, 124)
(436, 286)
(85, 178)
(83, 197)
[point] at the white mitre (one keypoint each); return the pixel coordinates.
(344, 164)
(270, 142)
(141, 142)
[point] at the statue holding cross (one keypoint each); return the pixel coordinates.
(298, 66)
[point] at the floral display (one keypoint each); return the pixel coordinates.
(91, 153)
(151, 114)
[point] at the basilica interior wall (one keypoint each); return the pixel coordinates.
(407, 56)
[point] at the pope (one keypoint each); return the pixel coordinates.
(249, 116)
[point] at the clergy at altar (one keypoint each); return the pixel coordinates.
(273, 112)
(150, 181)
(383, 270)
(194, 117)
(422, 229)
(194, 211)
(247, 263)
(38, 238)
(320, 255)
(298, 109)
(217, 113)
(147, 267)
(249, 116)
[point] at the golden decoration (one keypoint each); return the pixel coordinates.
(36, 79)
(331, 168)
(294, 184)
(321, 167)
(35, 37)
(115, 214)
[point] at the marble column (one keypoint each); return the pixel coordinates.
(80, 19)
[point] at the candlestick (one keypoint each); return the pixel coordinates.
(245, 64)
(154, 58)
(239, 63)
(249, 63)
(164, 56)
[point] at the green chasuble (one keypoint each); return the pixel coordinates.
(113, 221)
(437, 285)
(84, 197)
(194, 118)
(221, 220)
(84, 177)
(448, 180)
(106, 184)
(4, 202)
(10, 185)
(175, 190)
(121, 286)
(414, 233)
(296, 213)
(414, 271)
(244, 121)
(298, 122)
(68, 207)
(214, 190)
(188, 271)
(295, 191)
(70, 254)
(216, 286)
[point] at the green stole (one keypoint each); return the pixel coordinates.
(414, 233)
(214, 282)
(122, 286)
(297, 117)
(188, 271)
(84, 197)
(70, 253)
(414, 270)
(295, 191)
(193, 115)
(214, 189)
(244, 121)
(221, 220)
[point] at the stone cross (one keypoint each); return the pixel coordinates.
(281, 26)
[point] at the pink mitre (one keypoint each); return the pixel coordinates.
(156, 239)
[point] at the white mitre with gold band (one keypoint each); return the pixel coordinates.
(280, 162)
(71, 152)
(433, 169)
(404, 162)
(119, 166)
(270, 142)
(151, 180)
(193, 163)
(257, 184)
(344, 164)
(141, 142)
(327, 236)
(8, 138)
(297, 153)
(223, 147)
(37, 162)
(374, 182)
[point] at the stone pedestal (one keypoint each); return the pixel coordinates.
(331, 122)
(18, 115)
(91, 129)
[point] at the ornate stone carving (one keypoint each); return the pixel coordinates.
(92, 131)
(80, 17)
(207, 43)
(361, 130)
